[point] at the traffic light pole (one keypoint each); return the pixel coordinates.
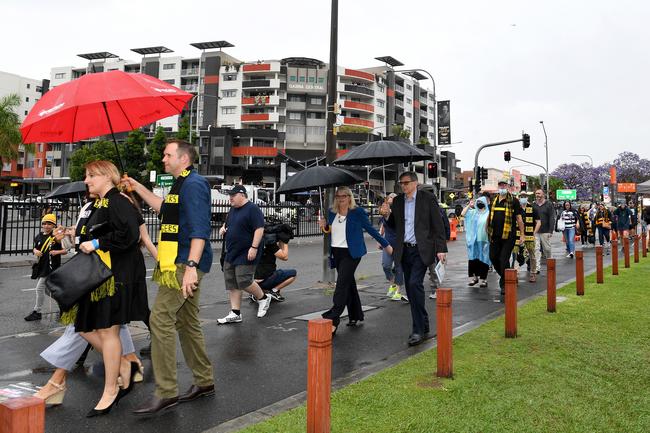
(531, 163)
(477, 185)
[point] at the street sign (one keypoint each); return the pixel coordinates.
(452, 195)
(165, 180)
(626, 187)
(565, 194)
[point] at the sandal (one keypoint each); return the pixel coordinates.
(56, 398)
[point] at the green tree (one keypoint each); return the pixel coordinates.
(10, 137)
(155, 151)
(183, 128)
(400, 131)
(97, 151)
(352, 128)
(423, 140)
(133, 155)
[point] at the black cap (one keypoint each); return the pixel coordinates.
(237, 189)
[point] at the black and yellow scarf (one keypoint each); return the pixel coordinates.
(507, 208)
(108, 287)
(165, 272)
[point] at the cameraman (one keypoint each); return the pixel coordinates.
(276, 246)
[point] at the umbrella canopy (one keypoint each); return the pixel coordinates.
(68, 190)
(643, 188)
(383, 152)
(99, 104)
(318, 177)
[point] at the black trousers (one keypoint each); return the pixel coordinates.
(477, 268)
(414, 271)
(345, 293)
(500, 250)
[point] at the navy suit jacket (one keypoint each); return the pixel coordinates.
(356, 222)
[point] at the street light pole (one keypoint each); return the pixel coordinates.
(546, 147)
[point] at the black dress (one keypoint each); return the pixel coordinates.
(116, 227)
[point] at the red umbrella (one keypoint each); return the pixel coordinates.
(99, 104)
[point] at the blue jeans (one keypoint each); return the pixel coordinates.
(569, 239)
(393, 271)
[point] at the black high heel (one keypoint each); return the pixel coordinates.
(334, 330)
(123, 392)
(354, 322)
(99, 412)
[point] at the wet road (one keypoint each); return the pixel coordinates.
(257, 362)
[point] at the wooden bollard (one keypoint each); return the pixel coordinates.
(319, 375)
(511, 303)
(580, 274)
(626, 251)
(636, 248)
(550, 285)
(599, 265)
(613, 235)
(614, 257)
(443, 323)
(22, 415)
(644, 245)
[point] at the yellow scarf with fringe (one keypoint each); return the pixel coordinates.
(165, 272)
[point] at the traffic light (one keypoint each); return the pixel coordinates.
(506, 156)
(525, 140)
(523, 186)
(432, 170)
(484, 173)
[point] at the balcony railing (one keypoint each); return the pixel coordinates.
(399, 103)
(256, 83)
(359, 89)
(358, 122)
(190, 87)
(194, 71)
(399, 88)
(359, 106)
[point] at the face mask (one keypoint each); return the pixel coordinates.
(480, 205)
(503, 191)
(523, 201)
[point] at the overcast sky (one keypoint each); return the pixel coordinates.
(580, 66)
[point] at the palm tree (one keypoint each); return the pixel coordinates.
(10, 137)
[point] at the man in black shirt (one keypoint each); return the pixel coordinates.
(503, 221)
(276, 246)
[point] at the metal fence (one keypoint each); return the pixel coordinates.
(20, 222)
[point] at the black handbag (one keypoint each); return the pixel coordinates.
(81, 274)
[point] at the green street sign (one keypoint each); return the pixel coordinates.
(165, 180)
(565, 194)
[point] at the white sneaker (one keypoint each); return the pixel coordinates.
(230, 318)
(263, 306)
(433, 295)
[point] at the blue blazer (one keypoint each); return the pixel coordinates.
(356, 222)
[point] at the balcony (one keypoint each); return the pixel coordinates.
(296, 105)
(399, 103)
(194, 71)
(190, 87)
(260, 118)
(261, 67)
(399, 119)
(260, 100)
(424, 128)
(257, 133)
(254, 151)
(359, 106)
(358, 122)
(399, 88)
(358, 89)
(261, 84)
(359, 74)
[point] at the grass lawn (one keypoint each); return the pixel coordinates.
(585, 368)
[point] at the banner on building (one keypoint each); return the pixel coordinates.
(444, 133)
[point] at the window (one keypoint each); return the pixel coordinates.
(312, 79)
(228, 110)
(29, 86)
(59, 75)
(382, 89)
(229, 93)
(316, 101)
(321, 79)
(409, 115)
(315, 115)
(292, 78)
(302, 79)
(172, 81)
(229, 77)
(380, 118)
(296, 98)
(295, 116)
(26, 98)
(409, 101)
(39, 89)
(168, 66)
(409, 87)
(26, 113)
(380, 103)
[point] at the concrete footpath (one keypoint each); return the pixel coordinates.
(260, 364)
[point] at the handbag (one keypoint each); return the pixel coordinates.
(81, 274)
(560, 224)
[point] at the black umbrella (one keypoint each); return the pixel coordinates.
(68, 190)
(383, 152)
(318, 177)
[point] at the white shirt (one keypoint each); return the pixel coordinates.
(338, 232)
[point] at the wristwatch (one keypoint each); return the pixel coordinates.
(191, 264)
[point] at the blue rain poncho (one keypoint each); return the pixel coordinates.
(478, 245)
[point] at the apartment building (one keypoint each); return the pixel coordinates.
(252, 116)
(27, 165)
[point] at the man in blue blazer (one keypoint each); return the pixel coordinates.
(415, 216)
